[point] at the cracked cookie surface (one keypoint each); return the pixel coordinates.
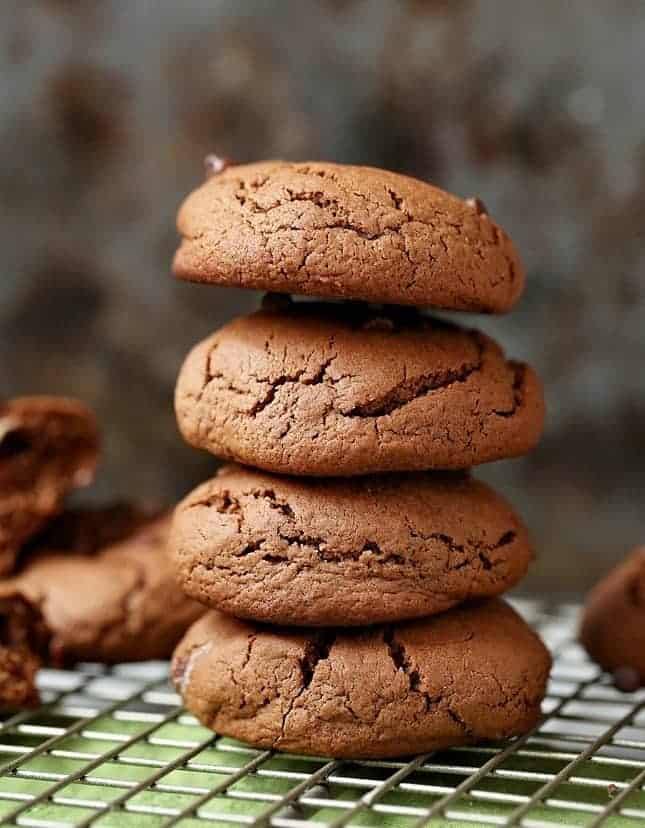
(613, 623)
(308, 552)
(467, 675)
(48, 447)
(111, 603)
(323, 389)
(341, 231)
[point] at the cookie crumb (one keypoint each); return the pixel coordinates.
(627, 679)
(215, 164)
(477, 205)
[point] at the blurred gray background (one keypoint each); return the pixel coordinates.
(107, 109)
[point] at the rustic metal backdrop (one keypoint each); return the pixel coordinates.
(107, 108)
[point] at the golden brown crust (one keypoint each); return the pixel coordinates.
(327, 552)
(466, 675)
(48, 447)
(339, 390)
(334, 230)
(613, 624)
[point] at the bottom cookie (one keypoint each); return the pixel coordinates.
(471, 674)
(613, 624)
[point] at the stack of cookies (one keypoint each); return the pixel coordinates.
(351, 563)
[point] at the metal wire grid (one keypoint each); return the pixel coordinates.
(113, 748)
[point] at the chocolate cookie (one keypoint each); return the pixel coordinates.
(613, 624)
(48, 446)
(320, 389)
(332, 230)
(115, 603)
(344, 552)
(24, 642)
(469, 674)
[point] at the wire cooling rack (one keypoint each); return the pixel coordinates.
(113, 748)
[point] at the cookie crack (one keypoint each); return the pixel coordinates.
(459, 721)
(226, 502)
(482, 550)
(409, 390)
(397, 201)
(316, 650)
(267, 399)
(297, 377)
(247, 657)
(249, 646)
(321, 548)
(319, 545)
(401, 661)
(338, 219)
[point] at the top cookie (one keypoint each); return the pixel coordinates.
(332, 230)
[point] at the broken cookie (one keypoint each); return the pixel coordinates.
(48, 447)
(106, 592)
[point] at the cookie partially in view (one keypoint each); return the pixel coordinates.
(347, 232)
(344, 389)
(613, 623)
(48, 447)
(110, 602)
(24, 643)
(467, 675)
(363, 550)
